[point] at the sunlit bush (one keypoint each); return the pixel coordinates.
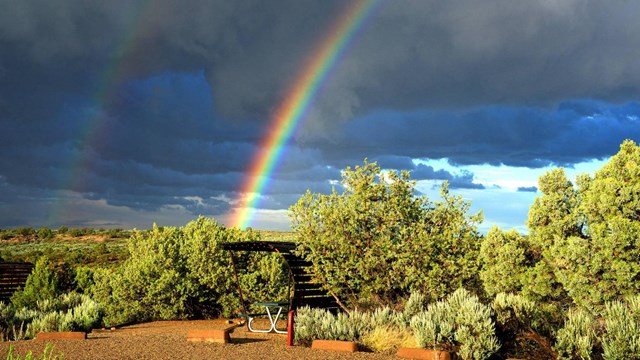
(180, 273)
(461, 323)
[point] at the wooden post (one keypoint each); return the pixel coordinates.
(291, 335)
(235, 274)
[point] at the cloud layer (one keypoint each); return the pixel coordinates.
(153, 106)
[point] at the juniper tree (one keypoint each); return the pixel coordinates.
(377, 241)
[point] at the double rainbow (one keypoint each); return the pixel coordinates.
(295, 105)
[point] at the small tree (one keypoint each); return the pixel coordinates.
(590, 235)
(45, 233)
(512, 264)
(178, 273)
(377, 241)
(42, 284)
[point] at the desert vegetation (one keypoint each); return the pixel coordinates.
(409, 271)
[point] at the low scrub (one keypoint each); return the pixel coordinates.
(312, 324)
(524, 326)
(621, 338)
(577, 339)
(68, 312)
(459, 323)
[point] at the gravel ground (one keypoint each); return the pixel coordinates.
(168, 340)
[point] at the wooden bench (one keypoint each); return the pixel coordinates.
(13, 276)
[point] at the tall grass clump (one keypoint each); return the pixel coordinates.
(47, 354)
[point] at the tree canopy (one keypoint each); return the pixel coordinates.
(377, 241)
(584, 237)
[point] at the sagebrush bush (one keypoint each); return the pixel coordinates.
(434, 329)
(576, 340)
(621, 338)
(459, 322)
(69, 312)
(381, 330)
(415, 305)
(45, 233)
(525, 325)
(312, 324)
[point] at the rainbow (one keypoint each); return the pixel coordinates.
(292, 110)
(93, 129)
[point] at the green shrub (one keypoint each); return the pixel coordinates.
(24, 231)
(376, 242)
(44, 233)
(83, 281)
(75, 232)
(178, 273)
(460, 322)
(589, 234)
(42, 284)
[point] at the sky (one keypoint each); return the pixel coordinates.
(122, 114)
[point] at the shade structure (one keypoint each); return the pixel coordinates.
(13, 275)
(306, 292)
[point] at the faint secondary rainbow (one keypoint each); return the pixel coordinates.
(297, 101)
(92, 132)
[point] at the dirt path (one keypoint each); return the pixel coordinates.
(168, 340)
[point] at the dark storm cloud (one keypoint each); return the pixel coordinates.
(412, 54)
(516, 136)
(148, 104)
(462, 181)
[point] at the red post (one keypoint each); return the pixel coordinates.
(291, 335)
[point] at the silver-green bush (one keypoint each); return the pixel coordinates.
(621, 338)
(525, 325)
(312, 324)
(414, 306)
(459, 322)
(576, 340)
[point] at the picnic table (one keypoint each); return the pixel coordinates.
(273, 319)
